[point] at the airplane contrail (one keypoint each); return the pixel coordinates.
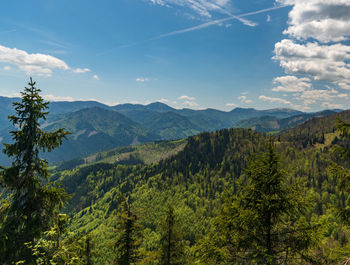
(207, 24)
(219, 21)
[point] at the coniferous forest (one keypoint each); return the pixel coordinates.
(233, 196)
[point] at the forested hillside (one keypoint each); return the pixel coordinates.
(275, 124)
(197, 181)
(234, 196)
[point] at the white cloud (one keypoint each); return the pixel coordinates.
(190, 104)
(57, 98)
(291, 84)
(203, 8)
(323, 20)
(344, 85)
(7, 68)
(35, 63)
(142, 79)
(163, 100)
(316, 50)
(275, 100)
(268, 18)
(244, 99)
(47, 97)
(319, 62)
(331, 106)
(81, 70)
(95, 77)
(53, 98)
(231, 105)
(320, 95)
(13, 95)
(186, 98)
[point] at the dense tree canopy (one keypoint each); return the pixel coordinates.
(263, 222)
(222, 198)
(30, 201)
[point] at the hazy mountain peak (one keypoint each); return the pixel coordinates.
(159, 106)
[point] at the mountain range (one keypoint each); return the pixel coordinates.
(96, 127)
(198, 177)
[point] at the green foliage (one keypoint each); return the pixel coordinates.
(340, 171)
(94, 130)
(171, 241)
(50, 250)
(263, 222)
(128, 238)
(274, 123)
(193, 180)
(30, 202)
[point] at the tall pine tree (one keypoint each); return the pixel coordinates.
(30, 201)
(263, 222)
(129, 234)
(172, 245)
(341, 168)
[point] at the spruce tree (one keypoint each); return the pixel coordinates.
(263, 222)
(88, 247)
(129, 234)
(30, 201)
(340, 169)
(171, 241)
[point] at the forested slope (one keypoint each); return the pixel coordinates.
(195, 182)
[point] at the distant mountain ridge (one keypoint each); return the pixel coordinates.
(272, 123)
(96, 127)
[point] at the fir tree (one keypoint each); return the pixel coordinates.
(88, 247)
(128, 234)
(30, 200)
(171, 242)
(341, 170)
(262, 223)
(52, 249)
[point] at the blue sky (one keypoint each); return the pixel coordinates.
(186, 53)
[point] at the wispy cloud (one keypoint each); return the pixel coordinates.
(331, 106)
(7, 31)
(220, 21)
(163, 100)
(57, 98)
(201, 8)
(142, 79)
(201, 26)
(275, 100)
(190, 104)
(264, 10)
(186, 98)
(54, 43)
(95, 77)
(48, 37)
(81, 70)
(244, 99)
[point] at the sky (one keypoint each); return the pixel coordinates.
(194, 54)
